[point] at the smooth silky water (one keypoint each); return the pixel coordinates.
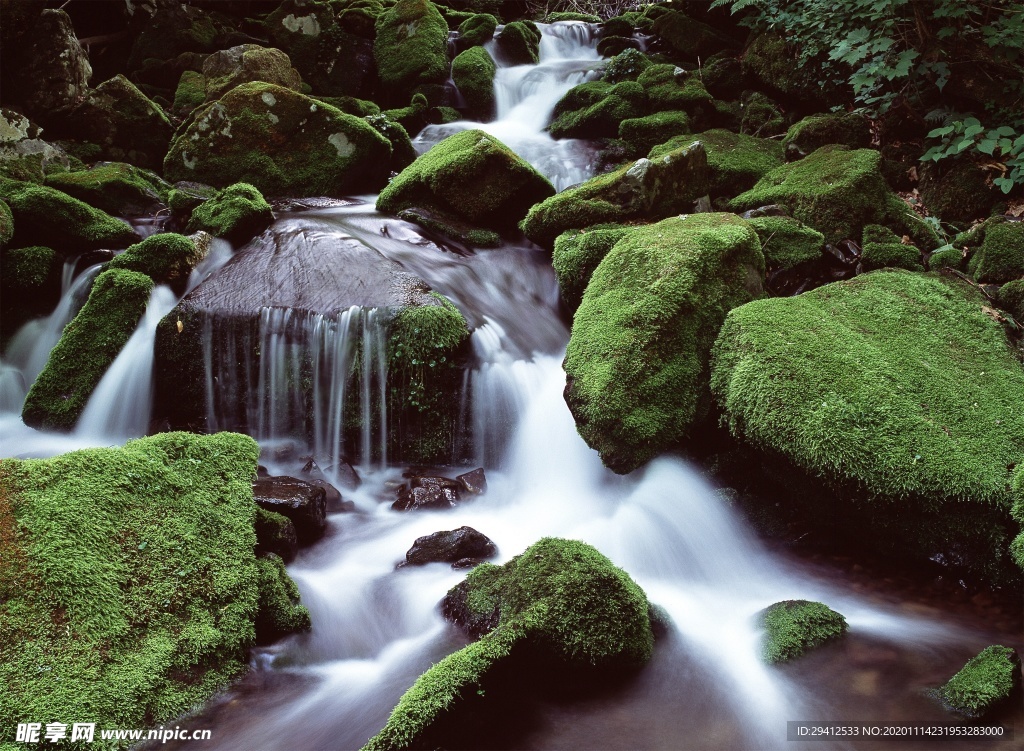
(375, 629)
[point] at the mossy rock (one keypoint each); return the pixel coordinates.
(761, 116)
(883, 249)
(44, 216)
(847, 128)
(88, 346)
(126, 124)
(648, 189)
(173, 30)
(358, 17)
(472, 176)
(786, 243)
(1017, 482)
(898, 393)
(130, 587)
(671, 88)
(275, 533)
(279, 141)
(518, 43)
(724, 77)
(688, 39)
(948, 258)
(24, 155)
(237, 213)
(1011, 299)
(735, 161)
(6, 224)
(559, 607)
(571, 16)
(411, 47)
(226, 69)
(412, 117)
(166, 258)
(403, 153)
(473, 72)
(1000, 258)
(956, 190)
(29, 286)
(609, 46)
(578, 253)
(985, 683)
(637, 364)
(775, 65)
(617, 27)
(625, 66)
(643, 133)
(351, 105)
(115, 187)
(794, 626)
(278, 611)
(602, 108)
(477, 29)
(837, 191)
(190, 92)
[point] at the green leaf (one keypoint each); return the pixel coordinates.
(939, 132)
(987, 146)
(972, 130)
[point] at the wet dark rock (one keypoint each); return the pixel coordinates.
(302, 502)
(425, 497)
(275, 533)
(772, 210)
(451, 547)
(474, 481)
(465, 563)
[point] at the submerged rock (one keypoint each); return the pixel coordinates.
(985, 683)
(451, 547)
(794, 626)
(304, 504)
(558, 611)
(637, 364)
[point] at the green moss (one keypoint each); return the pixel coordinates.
(403, 153)
(279, 141)
(44, 216)
(837, 191)
(29, 286)
(470, 175)
(350, 105)
(477, 29)
(761, 116)
(191, 91)
(570, 16)
(625, 66)
(986, 680)
(473, 72)
(226, 69)
(411, 46)
(1001, 256)
(643, 133)
(275, 533)
(237, 213)
(412, 117)
(689, 39)
(1011, 299)
(849, 129)
(891, 255)
(114, 187)
(6, 223)
(186, 197)
(278, 611)
(577, 253)
(735, 161)
(519, 43)
(1017, 509)
(671, 88)
(606, 106)
(956, 190)
(609, 46)
(130, 586)
(775, 64)
(914, 399)
(637, 361)
(28, 269)
(561, 599)
(86, 349)
(786, 242)
(166, 258)
(646, 189)
(794, 626)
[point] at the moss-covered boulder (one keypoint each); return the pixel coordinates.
(166, 258)
(278, 612)
(1011, 299)
(518, 43)
(1000, 258)
(236, 213)
(189, 93)
(577, 253)
(558, 608)
(898, 393)
(688, 39)
(671, 88)
(786, 243)
(595, 109)
(88, 346)
(170, 31)
(477, 29)
(1017, 489)
(123, 122)
(648, 189)
(411, 47)
(6, 224)
(29, 286)
(473, 72)
(794, 626)
(130, 590)
(735, 161)
(985, 683)
(761, 116)
(44, 216)
(958, 191)
(403, 153)
(226, 69)
(847, 128)
(23, 154)
(115, 187)
(644, 133)
(625, 66)
(637, 363)
(471, 176)
(279, 141)
(883, 249)
(837, 191)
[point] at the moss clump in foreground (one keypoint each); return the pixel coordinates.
(166, 258)
(637, 360)
(558, 607)
(236, 213)
(837, 191)
(897, 391)
(577, 253)
(986, 681)
(794, 626)
(86, 349)
(129, 588)
(1000, 258)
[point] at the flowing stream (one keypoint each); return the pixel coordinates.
(375, 628)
